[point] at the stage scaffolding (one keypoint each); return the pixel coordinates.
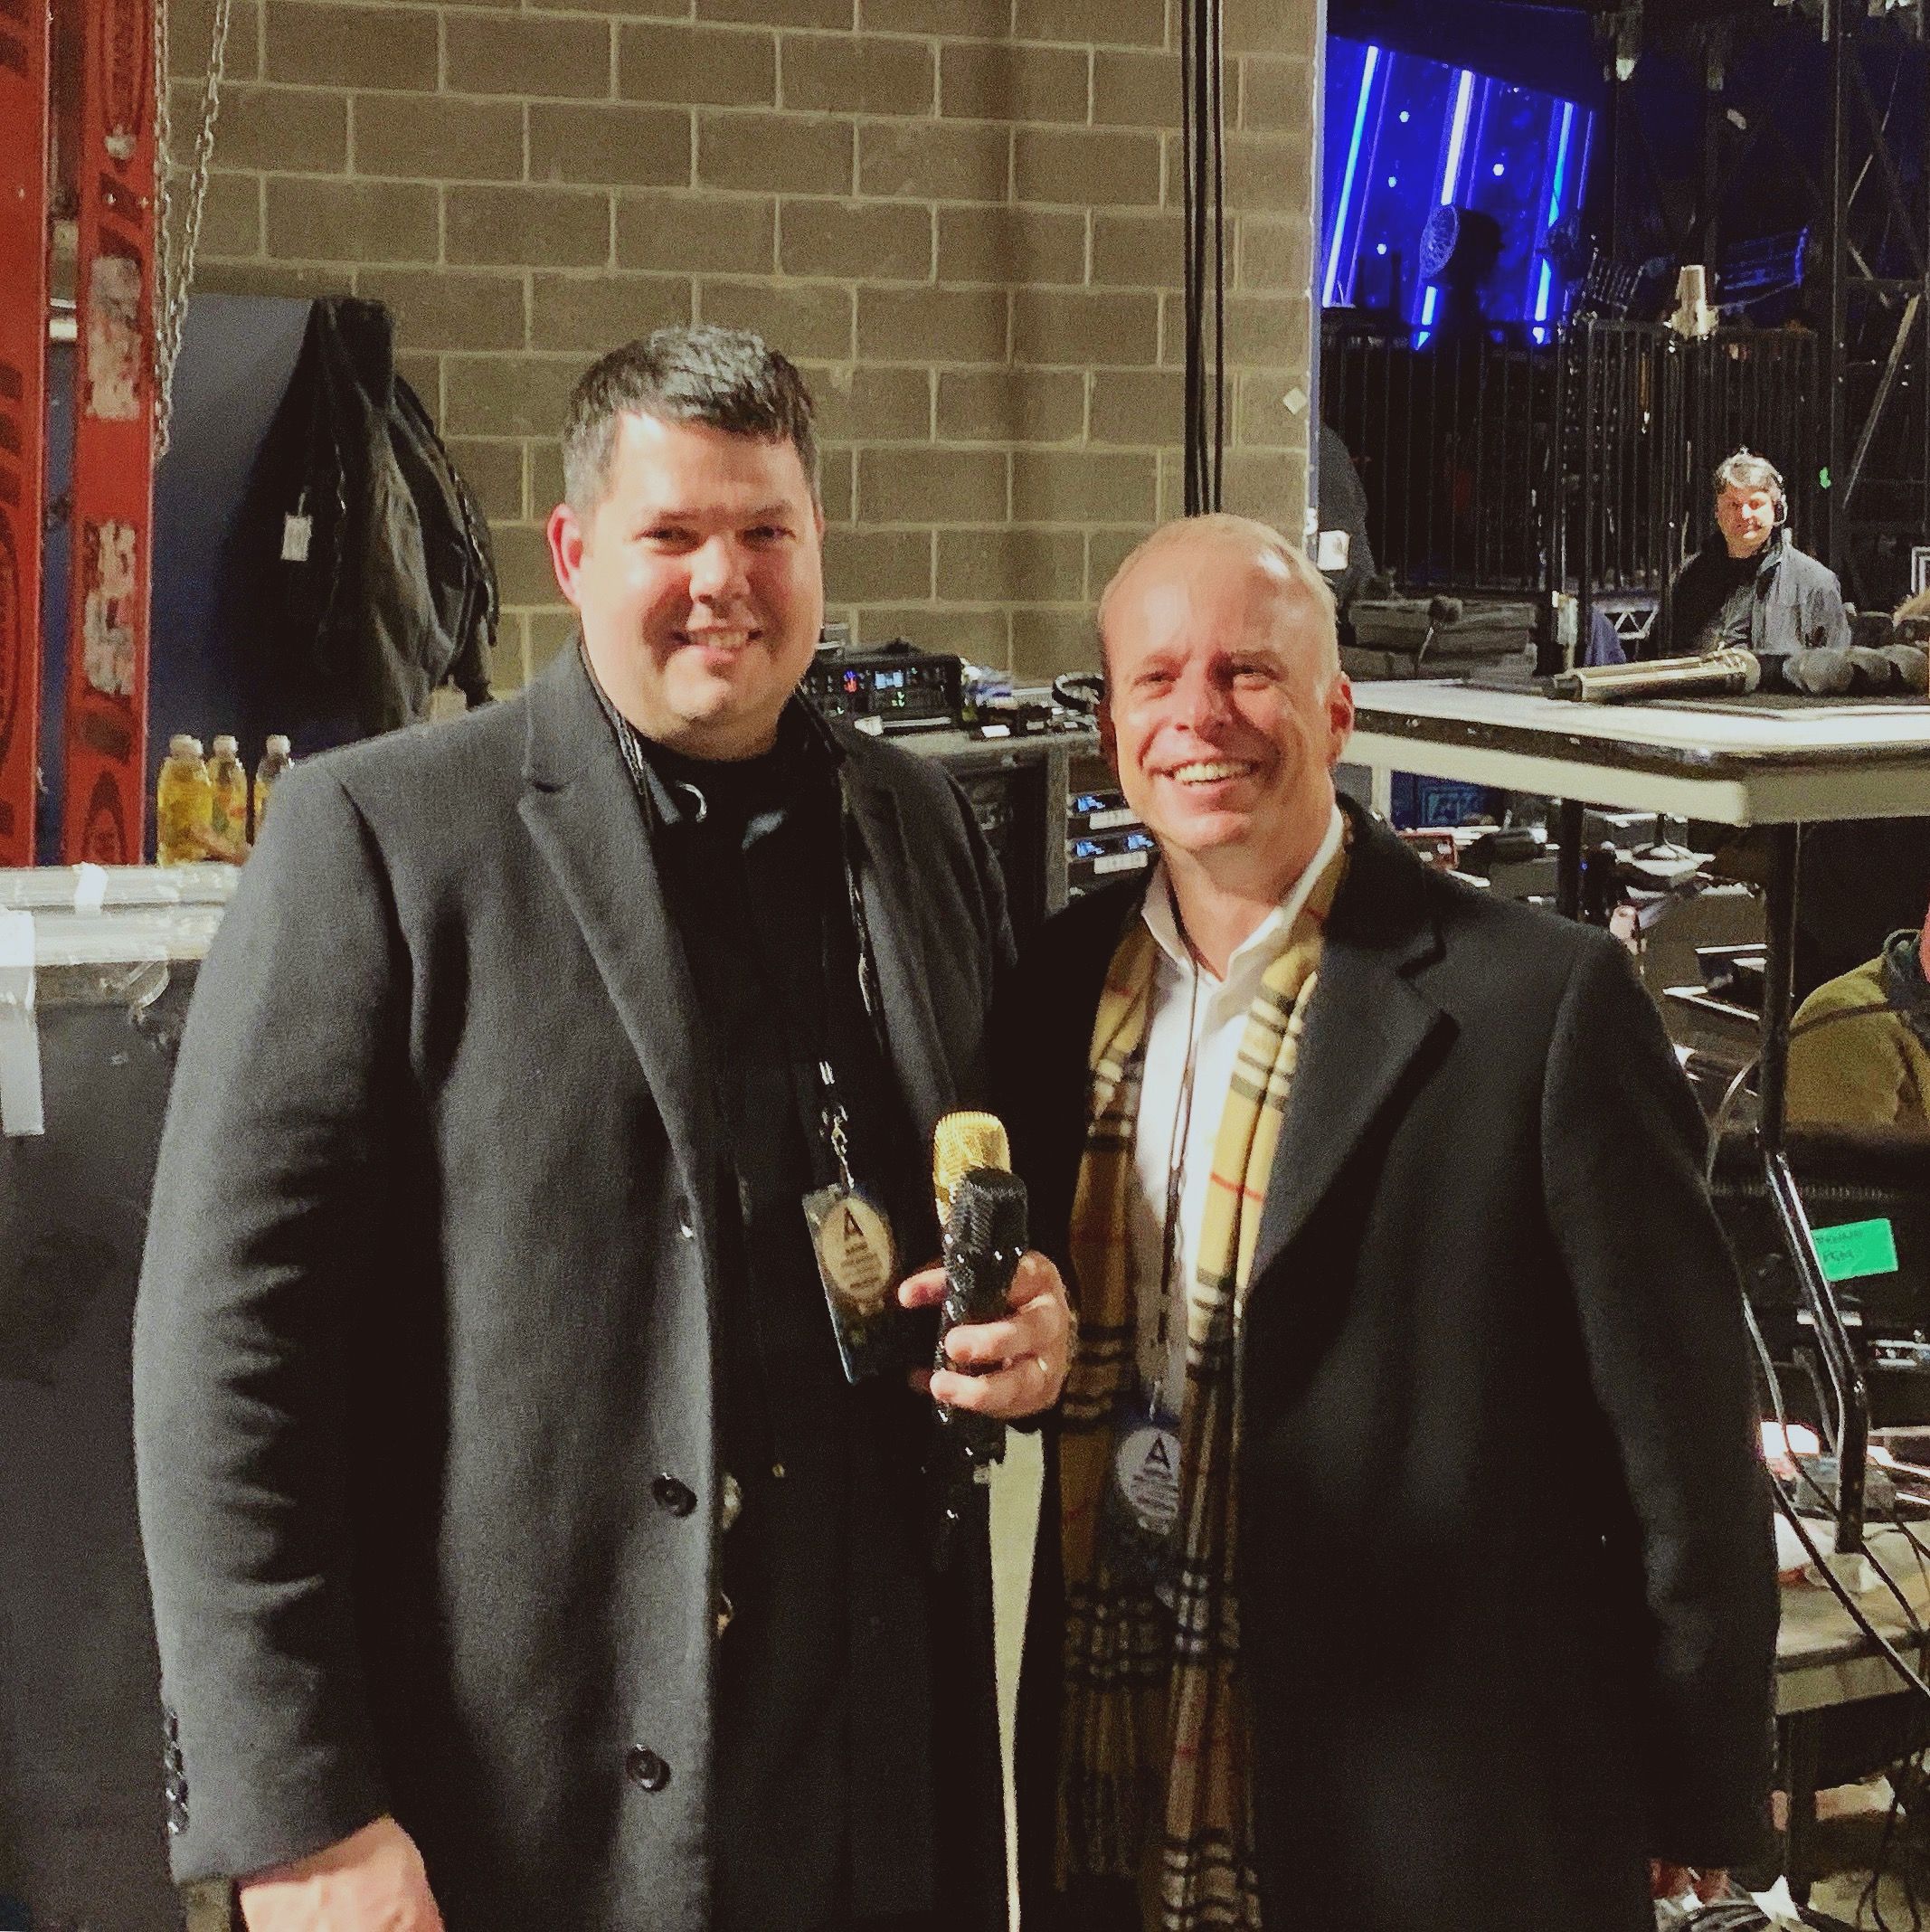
(1575, 470)
(1581, 468)
(1857, 182)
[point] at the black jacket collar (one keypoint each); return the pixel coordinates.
(581, 809)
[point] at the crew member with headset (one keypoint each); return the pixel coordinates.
(1749, 586)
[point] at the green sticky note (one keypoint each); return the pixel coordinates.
(1857, 1249)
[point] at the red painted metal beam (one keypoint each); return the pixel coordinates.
(24, 164)
(104, 808)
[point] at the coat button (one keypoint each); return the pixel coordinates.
(673, 1496)
(646, 1767)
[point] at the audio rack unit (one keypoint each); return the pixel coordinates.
(900, 688)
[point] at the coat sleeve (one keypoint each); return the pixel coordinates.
(260, 1231)
(1660, 1312)
(1826, 624)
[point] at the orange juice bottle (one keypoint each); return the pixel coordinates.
(184, 804)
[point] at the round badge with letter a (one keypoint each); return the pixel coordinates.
(857, 1256)
(1146, 1466)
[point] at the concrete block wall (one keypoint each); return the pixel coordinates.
(960, 216)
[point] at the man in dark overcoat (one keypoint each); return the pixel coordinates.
(1406, 1562)
(524, 1554)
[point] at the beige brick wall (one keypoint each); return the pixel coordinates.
(961, 216)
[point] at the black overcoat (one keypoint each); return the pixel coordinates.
(1508, 1592)
(424, 1342)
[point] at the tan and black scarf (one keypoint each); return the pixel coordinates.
(1153, 1785)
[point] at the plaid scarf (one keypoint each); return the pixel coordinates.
(1153, 1785)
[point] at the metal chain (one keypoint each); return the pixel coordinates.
(175, 257)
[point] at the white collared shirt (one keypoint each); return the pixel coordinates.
(1220, 1022)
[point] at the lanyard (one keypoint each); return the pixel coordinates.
(1171, 1232)
(836, 1124)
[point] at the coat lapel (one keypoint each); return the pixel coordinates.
(581, 810)
(1368, 1024)
(890, 893)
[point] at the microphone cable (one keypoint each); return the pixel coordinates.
(1718, 1126)
(1732, 1094)
(1785, 1501)
(1744, 1916)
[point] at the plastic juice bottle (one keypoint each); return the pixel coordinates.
(275, 760)
(228, 814)
(184, 804)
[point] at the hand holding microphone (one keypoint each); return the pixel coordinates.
(1006, 1344)
(993, 1363)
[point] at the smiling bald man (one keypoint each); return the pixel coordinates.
(1406, 1562)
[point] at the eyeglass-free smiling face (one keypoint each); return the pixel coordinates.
(698, 580)
(1224, 714)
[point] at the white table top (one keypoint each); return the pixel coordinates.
(1822, 1658)
(1705, 758)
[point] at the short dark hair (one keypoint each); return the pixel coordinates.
(1747, 471)
(725, 378)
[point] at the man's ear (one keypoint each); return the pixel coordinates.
(566, 549)
(1339, 718)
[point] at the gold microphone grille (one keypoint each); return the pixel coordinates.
(961, 1142)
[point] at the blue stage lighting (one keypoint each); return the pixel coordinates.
(1347, 184)
(1407, 136)
(1457, 138)
(1561, 162)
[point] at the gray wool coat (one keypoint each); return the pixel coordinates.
(427, 1313)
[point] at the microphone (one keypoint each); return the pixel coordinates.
(1442, 614)
(981, 1213)
(984, 1243)
(1716, 672)
(982, 1210)
(960, 1142)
